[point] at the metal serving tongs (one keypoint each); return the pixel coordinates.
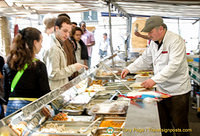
(117, 77)
(86, 129)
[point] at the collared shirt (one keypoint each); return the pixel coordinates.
(104, 45)
(88, 38)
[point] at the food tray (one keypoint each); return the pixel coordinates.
(80, 118)
(104, 132)
(119, 121)
(116, 87)
(118, 83)
(105, 92)
(104, 77)
(107, 96)
(112, 123)
(73, 109)
(75, 118)
(70, 128)
(107, 108)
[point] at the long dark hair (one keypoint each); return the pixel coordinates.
(22, 51)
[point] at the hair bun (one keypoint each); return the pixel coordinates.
(22, 32)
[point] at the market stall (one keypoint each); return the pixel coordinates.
(95, 103)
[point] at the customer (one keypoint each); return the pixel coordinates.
(64, 15)
(2, 101)
(74, 24)
(103, 46)
(80, 47)
(33, 81)
(88, 39)
(167, 54)
(68, 47)
(49, 29)
(56, 58)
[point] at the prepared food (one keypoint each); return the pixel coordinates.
(60, 117)
(111, 123)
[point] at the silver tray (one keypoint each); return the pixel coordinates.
(73, 126)
(104, 77)
(104, 132)
(73, 112)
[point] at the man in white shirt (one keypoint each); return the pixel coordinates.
(103, 46)
(167, 53)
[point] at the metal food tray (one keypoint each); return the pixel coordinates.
(115, 87)
(110, 113)
(113, 113)
(118, 83)
(115, 127)
(105, 92)
(104, 132)
(115, 118)
(104, 77)
(75, 126)
(80, 118)
(92, 103)
(73, 112)
(106, 96)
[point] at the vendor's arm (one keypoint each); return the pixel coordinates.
(142, 63)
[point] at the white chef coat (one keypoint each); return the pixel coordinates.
(169, 62)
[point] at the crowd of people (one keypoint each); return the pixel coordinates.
(36, 66)
(39, 62)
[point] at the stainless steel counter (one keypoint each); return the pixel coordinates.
(142, 120)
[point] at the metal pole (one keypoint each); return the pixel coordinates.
(110, 27)
(199, 37)
(127, 41)
(179, 31)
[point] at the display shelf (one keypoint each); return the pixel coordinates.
(33, 113)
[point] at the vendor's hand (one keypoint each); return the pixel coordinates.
(149, 83)
(124, 73)
(79, 66)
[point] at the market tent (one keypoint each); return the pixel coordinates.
(170, 8)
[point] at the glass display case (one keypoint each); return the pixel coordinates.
(90, 104)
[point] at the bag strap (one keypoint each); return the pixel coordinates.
(18, 76)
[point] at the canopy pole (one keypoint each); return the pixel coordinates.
(199, 38)
(110, 28)
(128, 33)
(179, 31)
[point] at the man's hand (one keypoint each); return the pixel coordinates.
(149, 83)
(124, 73)
(79, 66)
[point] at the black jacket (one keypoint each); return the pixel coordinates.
(84, 51)
(32, 84)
